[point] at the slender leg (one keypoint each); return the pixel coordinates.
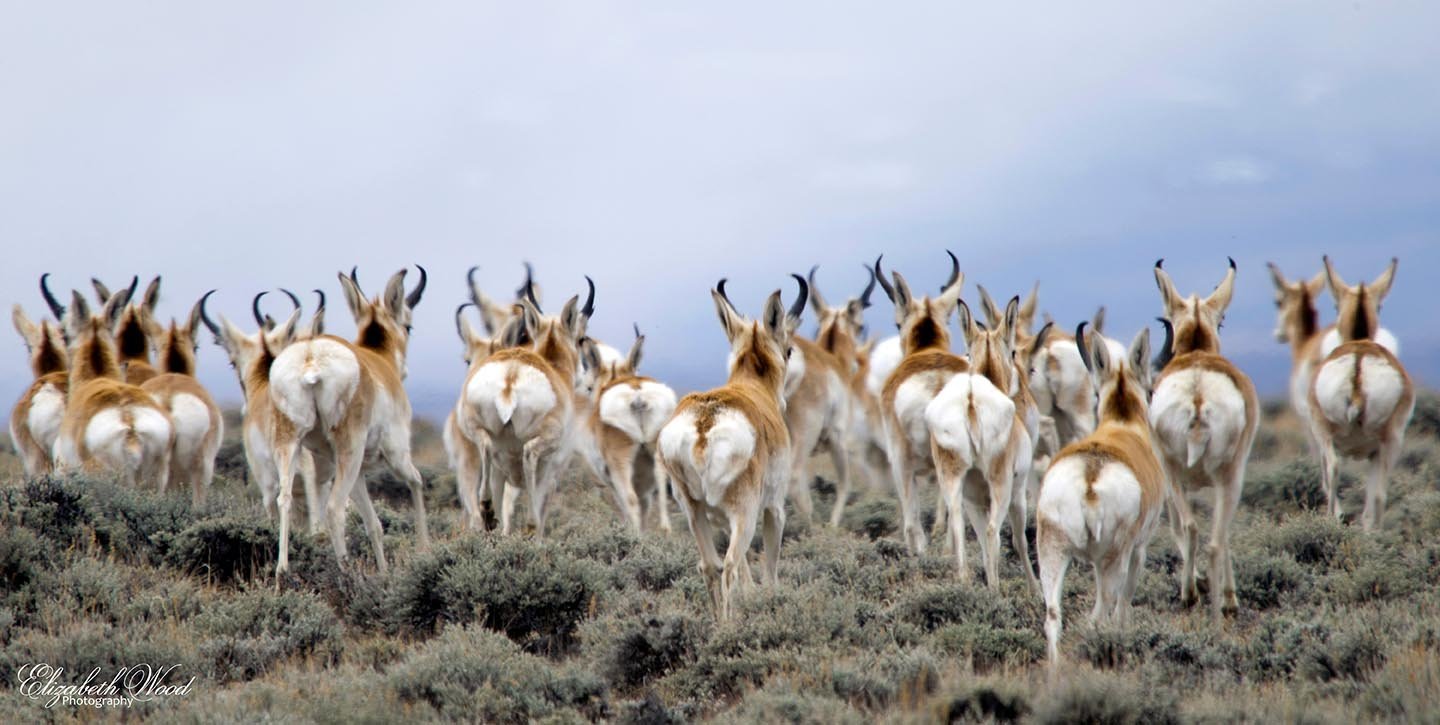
(1054, 560)
(1187, 537)
(1018, 516)
(1328, 465)
(1132, 578)
(467, 479)
(841, 461)
(903, 473)
(621, 464)
(710, 564)
(1222, 574)
(948, 473)
(772, 530)
(538, 452)
(742, 532)
(361, 496)
(800, 478)
(995, 518)
(663, 491)
(285, 452)
(348, 457)
(1377, 484)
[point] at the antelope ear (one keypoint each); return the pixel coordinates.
(24, 326)
(1098, 321)
(1012, 318)
(636, 348)
(730, 319)
(1041, 337)
(1276, 277)
(1381, 286)
(192, 323)
(395, 293)
(354, 298)
(79, 314)
(988, 307)
(901, 297)
(1139, 357)
(531, 320)
(1316, 283)
(855, 313)
(775, 318)
(589, 355)
(152, 295)
(1338, 288)
(572, 319)
(1027, 308)
(513, 333)
(115, 305)
(284, 334)
(1169, 296)
(1219, 300)
(967, 324)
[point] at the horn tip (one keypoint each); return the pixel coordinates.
(1232, 262)
(1160, 263)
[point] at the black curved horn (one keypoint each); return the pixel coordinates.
(205, 317)
(293, 299)
(255, 310)
(523, 291)
(56, 308)
(1167, 348)
(636, 326)
(458, 312)
(880, 277)
(720, 287)
(321, 295)
(954, 270)
(413, 298)
(1084, 348)
(130, 291)
(799, 307)
(869, 287)
(529, 291)
(589, 308)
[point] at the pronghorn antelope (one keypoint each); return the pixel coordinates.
(109, 424)
(250, 357)
(1062, 388)
(981, 446)
(523, 399)
(927, 366)
(1361, 399)
(1299, 325)
(346, 402)
(838, 332)
(193, 413)
(35, 421)
(624, 427)
(728, 452)
(1204, 413)
(817, 401)
(468, 450)
(1101, 499)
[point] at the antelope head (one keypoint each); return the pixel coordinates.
(1295, 306)
(1196, 321)
(992, 349)
(1358, 306)
(759, 349)
(923, 321)
(177, 343)
(839, 329)
(93, 351)
(1123, 385)
(383, 323)
(606, 373)
(44, 341)
(557, 338)
(250, 354)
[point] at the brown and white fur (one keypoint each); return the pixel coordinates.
(251, 357)
(1361, 398)
(981, 445)
(35, 420)
(522, 399)
(193, 413)
(727, 450)
(134, 333)
(109, 425)
(346, 402)
(817, 404)
(468, 451)
(1204, 414)
(927, 366)
(623, 427)
(1101, 499)
(838, 332)
(1298, 325)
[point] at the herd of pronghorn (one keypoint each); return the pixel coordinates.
(1097, 434)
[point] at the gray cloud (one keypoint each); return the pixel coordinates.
(658, 149)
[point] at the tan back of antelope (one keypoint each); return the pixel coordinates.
(926, 367)
(193, 413)
(1204, 413)
(728, 452)
(1101, 498)
(981, 447)
(623, 428)
(36, 417)
(523, 399)
(346, 402)
(109, 425)
(1361, 398)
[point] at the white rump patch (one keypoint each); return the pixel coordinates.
(639, 413)
(883, 360)
(729, 446)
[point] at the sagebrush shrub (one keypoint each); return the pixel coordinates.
(472, 674)
(1107, 699)
(255, 631)
(651, 648)
(228, 549)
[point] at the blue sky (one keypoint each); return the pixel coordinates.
(658, 148)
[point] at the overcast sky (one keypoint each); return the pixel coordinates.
(660, 146)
